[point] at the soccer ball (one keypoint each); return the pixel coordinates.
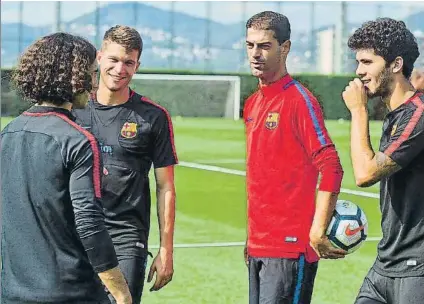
(348, 228)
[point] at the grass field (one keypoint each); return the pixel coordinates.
(211, 208)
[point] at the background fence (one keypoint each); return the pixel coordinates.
(206, 36)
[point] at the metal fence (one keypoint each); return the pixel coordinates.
(206, 36)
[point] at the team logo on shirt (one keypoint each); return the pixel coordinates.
(271, 121)
(129, 130)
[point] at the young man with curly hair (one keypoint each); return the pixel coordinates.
(54, 238)
(134, 133)
(288, 146)
(386, 52)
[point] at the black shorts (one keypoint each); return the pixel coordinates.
(134, 270)
(281, 281)
(379, 289)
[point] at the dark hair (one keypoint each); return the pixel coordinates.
(126, 36)
(389, 39)
(268, 20)
(55, 68)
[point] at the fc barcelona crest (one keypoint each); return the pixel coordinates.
(271, 121)
(129, 130)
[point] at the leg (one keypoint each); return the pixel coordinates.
(305, 285)
(287, 281)
(134, 269)
(254, 267)
(374, 289)
(409, 290)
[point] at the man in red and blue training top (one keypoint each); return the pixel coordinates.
(288, 146)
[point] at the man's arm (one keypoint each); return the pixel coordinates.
(84, 188)
(164, 158)
(328, 164)
(404, 145)
(114, 281)
(368, 167)
(165, 192)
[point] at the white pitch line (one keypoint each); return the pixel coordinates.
(212, 168)
(232, 244)
(221, 161)
(243, 173)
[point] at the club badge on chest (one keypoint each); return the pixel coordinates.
(271, 121)
(129, 130)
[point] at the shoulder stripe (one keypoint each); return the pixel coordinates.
(289, 84)
(409, 127)
(93, 144)
(132, 93)
(171, 129)
(318, 129)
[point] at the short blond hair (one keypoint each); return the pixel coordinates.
(125, 36)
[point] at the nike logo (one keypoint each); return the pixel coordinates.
(249, 119)
(350, 232)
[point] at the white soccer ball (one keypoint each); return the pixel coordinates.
(348, 228)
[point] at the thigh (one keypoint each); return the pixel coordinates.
(133, 269)
(286, 281)
(254, 268)
(409, 290)
(374, 289)
(305, 281)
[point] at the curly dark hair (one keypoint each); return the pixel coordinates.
(125, 36)
(55, 69)
(268, 20)
(389, 39)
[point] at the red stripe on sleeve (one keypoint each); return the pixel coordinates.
(409, 127)
(171, 129)
(93, 144)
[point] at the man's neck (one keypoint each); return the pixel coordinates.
(273, 78)
(66, 105)
(402, 91)
(112, 98)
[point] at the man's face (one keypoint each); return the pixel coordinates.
(417, 79)
(374, 73)
(266, 56)
(117, 66)
(80, 101)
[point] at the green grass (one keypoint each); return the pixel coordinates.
(211, 207)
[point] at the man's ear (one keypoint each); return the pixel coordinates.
(397, 65)
(286, 46)
(99, 56)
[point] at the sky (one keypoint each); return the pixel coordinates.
(226, 12)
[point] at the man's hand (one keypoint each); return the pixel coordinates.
(325, 249)
(354, 95)
(164, 268)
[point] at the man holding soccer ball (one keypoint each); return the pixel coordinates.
(386, 51)
(288, 146)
